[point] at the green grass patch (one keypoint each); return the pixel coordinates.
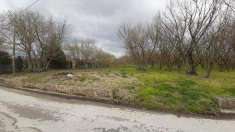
(151, 89)
(176, 91)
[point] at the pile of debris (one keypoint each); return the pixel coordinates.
(63, 76)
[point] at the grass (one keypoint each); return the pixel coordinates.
(176, 91)
(83, 77)
(153, 89)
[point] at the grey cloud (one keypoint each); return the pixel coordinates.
(96, 19)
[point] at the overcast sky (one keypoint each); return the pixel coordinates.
(95, 19)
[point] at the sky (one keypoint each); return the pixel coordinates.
(94, 19)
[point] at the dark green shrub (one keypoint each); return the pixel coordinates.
(5, 62)
(19, 63)
(59, 61)
(5, 58)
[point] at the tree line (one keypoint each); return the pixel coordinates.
(85, 54)
(187, 35)
(39, 42)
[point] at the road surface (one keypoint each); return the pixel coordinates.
(25, 112)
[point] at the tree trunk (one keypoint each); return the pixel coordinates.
(208, 71)
(13, 54)
(30, 65)
(191, 66)
(192, 70)
(48, 64)
(73, 63)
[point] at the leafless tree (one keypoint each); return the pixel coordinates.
(104, 59)
(213, 41)
(84, 53)
(33, 34)
(8, 35)
(138, 44)
(185, 24)
(87, 49)
(26, 33)
(50, 37)
(189, 33)
(73, 52)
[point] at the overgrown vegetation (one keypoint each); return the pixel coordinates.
(155, 89)
(176, 91)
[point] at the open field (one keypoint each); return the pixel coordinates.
(154, 89)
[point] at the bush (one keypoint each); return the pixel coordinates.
(5, 62)
(59, 61)
(4, 58)
(19, 63)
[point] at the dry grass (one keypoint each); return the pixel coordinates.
(153, 89)
(90, 83)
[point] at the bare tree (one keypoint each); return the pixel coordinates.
(50, 37)
(87, 49)
(189, 21)
(31, 33)
(212, 42)
(189, 34)
(155, 38)
(85, 54)
(26, 33)
(8, 35)
(138, 44)
(104, 59)
(73, 52)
